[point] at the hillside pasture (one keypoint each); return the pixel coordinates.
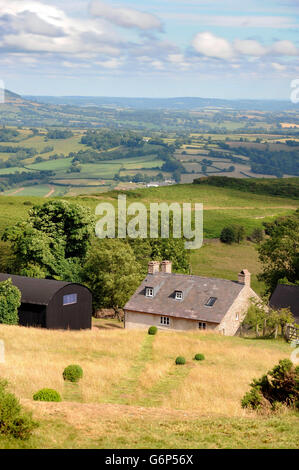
(132, 394)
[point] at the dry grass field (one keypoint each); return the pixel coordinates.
(133, 395)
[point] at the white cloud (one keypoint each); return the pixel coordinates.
(227, 21)
(278, 67)
(212, 46)
(179, 60)
(30, 22)
(157, 64)
(249, 47)
(111, 63)
(125, 17)
(37, 27)
(284, 48)
(69, 44)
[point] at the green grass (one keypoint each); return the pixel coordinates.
(152, 431)
(172, 380)
(222, 206)
(54, 165)
(124, 391)
(225, 261)
(13, 169)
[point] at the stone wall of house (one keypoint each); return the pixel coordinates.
(142, 321)
(232, 320)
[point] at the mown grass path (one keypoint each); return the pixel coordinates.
(129, 391)
(172, 380)
(124, 391)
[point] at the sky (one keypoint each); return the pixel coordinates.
(150, 48)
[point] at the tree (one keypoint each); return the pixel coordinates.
(261, 317)
(53, 242)
(10, 301)
(279, 254)
(7, 257)
(239, 232)
(172, 249)
(227, 235)
(70, 223)
(257, 235)
(112, 273)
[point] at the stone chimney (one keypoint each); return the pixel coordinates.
(166, 267)
(244, 277)
(153, 267)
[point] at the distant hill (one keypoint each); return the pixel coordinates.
(143, 113)
(9, 95)
(180, 103)
(15, 99)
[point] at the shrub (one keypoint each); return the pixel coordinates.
(199, 357)
(257, 235)
(46, 394)
(13, 421)
(73, 373)
(227, 235)
(232, 234)
(153, 330)
(180, 360)
(252, 399)
(279, 385)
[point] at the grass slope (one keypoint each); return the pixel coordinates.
(222, 206)
(133, 396)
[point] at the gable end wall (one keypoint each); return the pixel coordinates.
(229, 325)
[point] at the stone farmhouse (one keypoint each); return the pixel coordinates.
(185, 302)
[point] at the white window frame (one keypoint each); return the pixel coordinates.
(178, 295)
(165, 321)
(149, 292)
(202, 325)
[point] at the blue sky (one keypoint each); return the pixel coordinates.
(150, 48)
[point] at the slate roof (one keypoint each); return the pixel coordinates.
(286, 296)
(196, 292)
(33, 290)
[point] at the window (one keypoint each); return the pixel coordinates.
(211, 302)
(149, 292)
(179, 295)
(164, 321)
(202, 325)
(237, 316)
(69, 299)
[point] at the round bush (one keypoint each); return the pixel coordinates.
(199, 357)
(73, 373)
(153, 330)
(47, 394)
(180, 360)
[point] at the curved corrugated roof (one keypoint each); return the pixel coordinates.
(33, 290)
(286, 296)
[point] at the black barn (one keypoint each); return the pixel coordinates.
(286, 296)
(52, 304)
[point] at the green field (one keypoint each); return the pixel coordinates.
(222, 206)
(190, 152)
